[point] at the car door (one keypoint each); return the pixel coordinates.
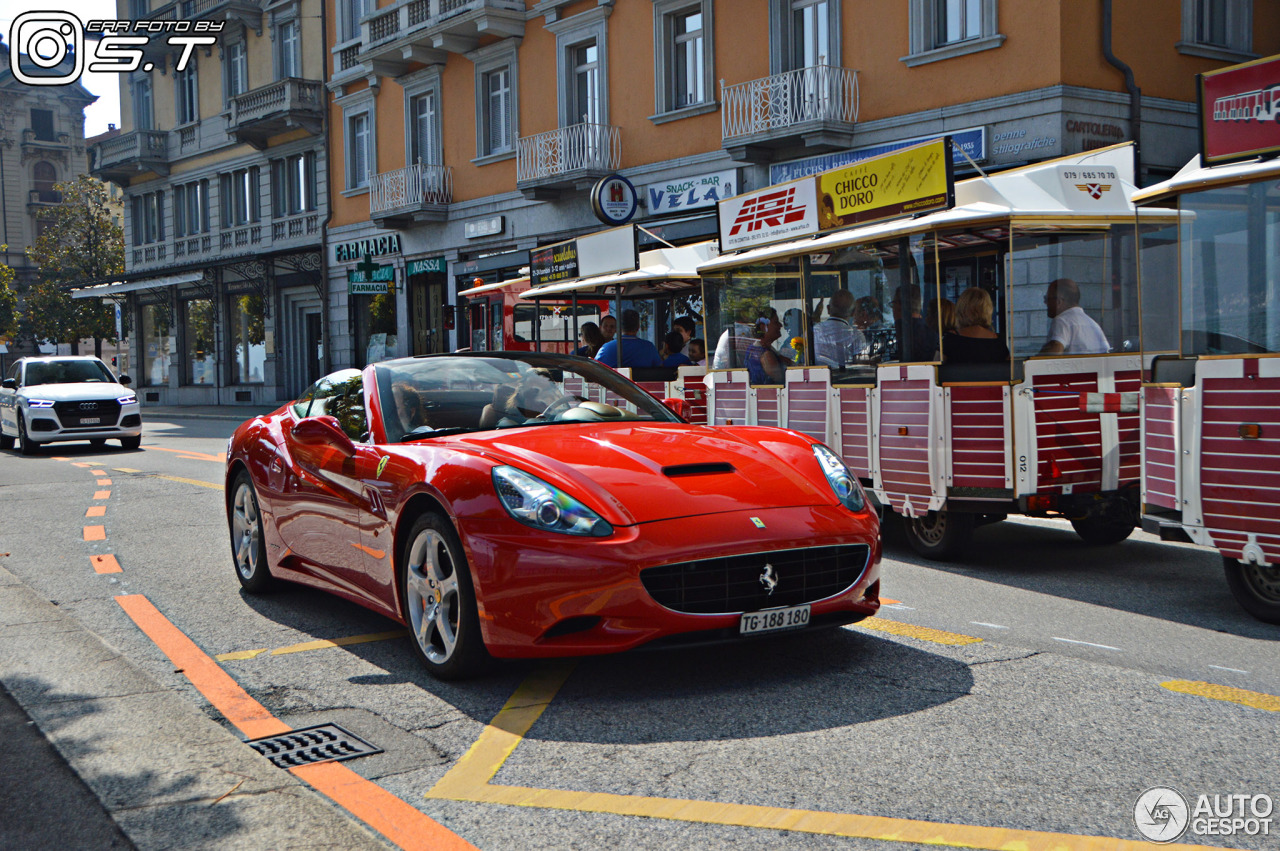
(318, 518)
(9, 402)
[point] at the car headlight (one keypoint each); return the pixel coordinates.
(128, 399)
(542, 506)
(39, 403)
(840, 478)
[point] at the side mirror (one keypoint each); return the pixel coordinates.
(323, 431)
(679, 407)
(126, 380)
(10, 384)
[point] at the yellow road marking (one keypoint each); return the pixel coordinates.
(923, 633)
(125, 470)
(188, 481)
(469, 780)
(1255, 699)
(320, 644)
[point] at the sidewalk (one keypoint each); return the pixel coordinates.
(98, 754)
(236, 413)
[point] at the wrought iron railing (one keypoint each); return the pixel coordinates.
(392, 22)
(578, 147)
(410, 187)
(817, 93)
(287, 95)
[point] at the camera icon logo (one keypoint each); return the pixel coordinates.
(45, 40)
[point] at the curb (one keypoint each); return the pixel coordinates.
(169, 775)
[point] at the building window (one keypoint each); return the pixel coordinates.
(683, 55)
(239, 197)
(191, 208)
(349, 14)
(803, 34)
(358, 150)
(1217, 29)
(44, 177)
(142, 108)
(293, 185)
(287, 50)
(147, 214)
(157, 322)
(198, 322)
(246, 321)
(944, 29)
(497, 99)
(139, 9)
(423, 135)
(187, 93)
(582, 67)
(235, 71)
(42, 125)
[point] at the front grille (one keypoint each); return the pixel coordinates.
(733, 583)
(71, 414)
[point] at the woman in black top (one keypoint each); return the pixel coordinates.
(975, 341)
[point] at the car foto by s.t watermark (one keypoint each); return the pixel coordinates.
(48, 48)
(1162, 814)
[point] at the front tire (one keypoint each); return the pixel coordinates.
(939, 535)
(1256, 588)
(6, 442)
(248, 547)
(130, 442)
(25, 445)
(440, 601)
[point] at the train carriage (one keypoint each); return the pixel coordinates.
(942, 439)
(1211, 324)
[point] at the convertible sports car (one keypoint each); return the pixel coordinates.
(517, 504)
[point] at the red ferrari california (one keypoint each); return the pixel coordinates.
(516, 504)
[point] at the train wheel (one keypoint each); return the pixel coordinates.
(1256, 588)
(939, 535)
(1099, 530)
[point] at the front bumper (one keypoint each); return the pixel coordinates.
(45, 426)
(541, 594)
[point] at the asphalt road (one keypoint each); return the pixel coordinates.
(1056, 720)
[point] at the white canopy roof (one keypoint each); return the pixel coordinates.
(488, 288)
(1194, 176)
(1036, 192)
(660, 269)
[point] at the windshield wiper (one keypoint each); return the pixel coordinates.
(419, 434)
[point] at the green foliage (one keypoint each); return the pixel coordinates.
(8, 301)
(80, 242)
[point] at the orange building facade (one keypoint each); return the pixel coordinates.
(464, 133)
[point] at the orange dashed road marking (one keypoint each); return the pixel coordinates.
(80, 464)
(97, 472)
(95, 533)
(404, 825)
(59, 458)
(102, 483)
(102, 494)
(105, 564)
(96, 511)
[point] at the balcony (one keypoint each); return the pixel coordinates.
(245, 12)
(128, 155)
(807, 111)
(297, 226)
(43, 198)
(279, 107)
(33, 145)
(418, 193)
(425, 31)
(573, 157)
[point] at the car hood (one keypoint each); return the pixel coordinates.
(639, 473)
(77, 392)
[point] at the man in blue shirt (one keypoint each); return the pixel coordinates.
(635, 351)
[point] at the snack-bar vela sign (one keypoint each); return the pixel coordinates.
(911, 180)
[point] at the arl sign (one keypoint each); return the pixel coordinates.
(785, 211)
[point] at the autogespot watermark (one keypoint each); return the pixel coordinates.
(49, 48)
(1162, 814)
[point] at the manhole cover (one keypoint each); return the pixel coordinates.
(321, 743)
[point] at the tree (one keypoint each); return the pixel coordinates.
(8, 301)
(79, 242)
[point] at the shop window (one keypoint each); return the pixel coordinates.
(376, 324)
(201, 357)
(246, 324)
(157, 322)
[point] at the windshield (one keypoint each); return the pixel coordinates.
(450, 394)
(67, 372)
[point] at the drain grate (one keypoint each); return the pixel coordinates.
(321, 743)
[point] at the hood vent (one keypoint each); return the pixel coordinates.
(697, 470)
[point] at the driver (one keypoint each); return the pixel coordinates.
(538, 391)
